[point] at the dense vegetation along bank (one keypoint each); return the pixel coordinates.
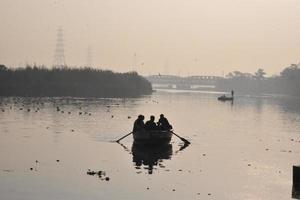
(76, 82)
(288, 82)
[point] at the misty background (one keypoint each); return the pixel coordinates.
(195, 37)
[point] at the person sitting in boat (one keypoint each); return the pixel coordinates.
(139, 124)
(163, 123)
(151, 125)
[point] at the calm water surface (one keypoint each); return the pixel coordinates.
(243, 150)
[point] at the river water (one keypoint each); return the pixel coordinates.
(240, 150)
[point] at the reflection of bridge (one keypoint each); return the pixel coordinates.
(184, 82)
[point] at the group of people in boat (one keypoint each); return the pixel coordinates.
(162, 124)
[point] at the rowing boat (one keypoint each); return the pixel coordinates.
(224, 98)
(153, 137)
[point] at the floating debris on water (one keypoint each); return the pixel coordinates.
(92, 173)
(101, 174)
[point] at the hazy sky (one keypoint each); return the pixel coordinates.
(196, 37)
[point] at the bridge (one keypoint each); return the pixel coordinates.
(184, 82)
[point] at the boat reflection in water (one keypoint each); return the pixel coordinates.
(150, 156)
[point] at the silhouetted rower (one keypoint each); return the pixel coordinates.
(139, 123)
(163, 123)
(151, 125)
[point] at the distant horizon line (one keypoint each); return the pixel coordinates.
(178, 74)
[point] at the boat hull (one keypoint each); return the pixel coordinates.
(225, 98)
(156, 137)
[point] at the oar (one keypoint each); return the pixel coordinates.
(123, 137)
(183, 139)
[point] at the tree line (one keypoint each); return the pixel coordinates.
(39, 81)
(288, 82)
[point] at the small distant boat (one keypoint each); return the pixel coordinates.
(153, 137)
(224, 98)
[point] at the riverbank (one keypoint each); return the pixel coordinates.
(74, 82)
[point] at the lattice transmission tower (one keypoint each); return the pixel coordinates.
(89, 57)
(59, 55)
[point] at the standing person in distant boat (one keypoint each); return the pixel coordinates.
(163, 123)
(139, 123)
(232, 93)
(151, 125)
